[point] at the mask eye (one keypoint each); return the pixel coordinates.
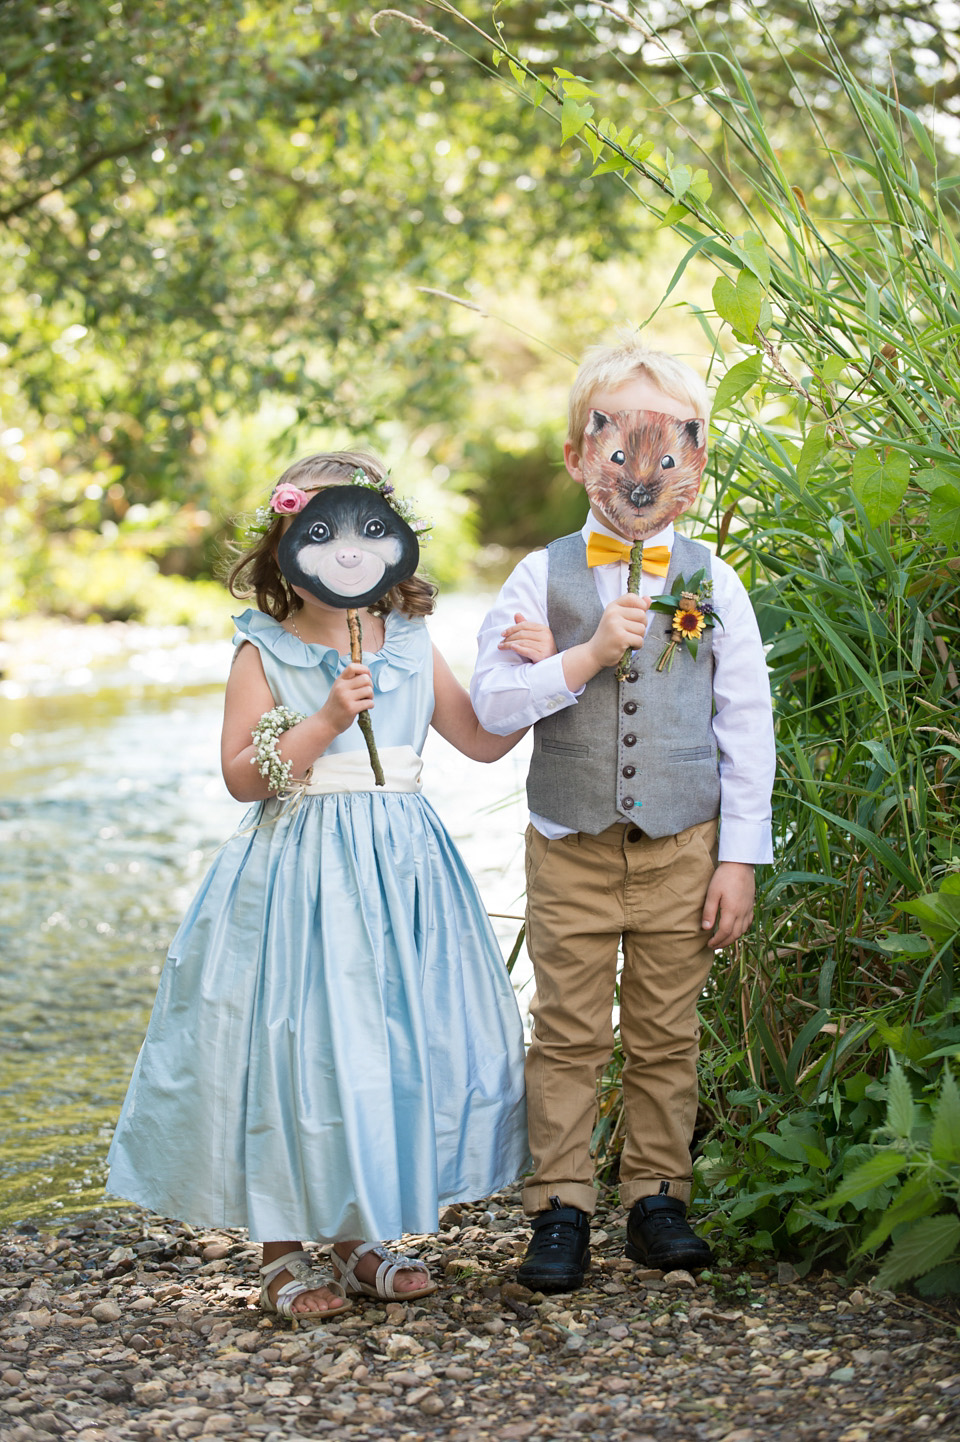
(618, 458)
(667, 463)
(374, 530)
(319, 531)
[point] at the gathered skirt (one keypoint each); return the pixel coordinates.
(335, 1050)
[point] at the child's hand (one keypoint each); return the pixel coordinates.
(530, 639)
(351, 693)
(622, 626)
(729, 903)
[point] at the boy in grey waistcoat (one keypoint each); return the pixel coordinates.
(634, 770)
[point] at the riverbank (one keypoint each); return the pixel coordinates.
(122, 1327)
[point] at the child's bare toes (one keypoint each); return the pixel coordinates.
(319, 1301)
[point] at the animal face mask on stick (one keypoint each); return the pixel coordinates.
(642, 469)
(348, 547)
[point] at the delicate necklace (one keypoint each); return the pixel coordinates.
(296, 631)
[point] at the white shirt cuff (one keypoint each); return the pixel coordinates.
(747, 841)
(548, 686)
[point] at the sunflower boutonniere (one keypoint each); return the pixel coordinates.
(691, 605)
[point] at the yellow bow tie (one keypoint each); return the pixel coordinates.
(601, 550)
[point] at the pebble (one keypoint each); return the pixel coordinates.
(737, 1360)
(214, 1251)
(106, 1312)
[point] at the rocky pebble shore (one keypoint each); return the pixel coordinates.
(122, 1327)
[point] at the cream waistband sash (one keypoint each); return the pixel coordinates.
(351, 771)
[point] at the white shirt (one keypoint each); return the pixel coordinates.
(509, 693)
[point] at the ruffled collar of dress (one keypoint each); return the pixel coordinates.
(400, 655)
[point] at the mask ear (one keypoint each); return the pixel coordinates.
(697, 431)
(597, 422)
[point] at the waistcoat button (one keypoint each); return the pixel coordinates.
(629, 707)
(629, 771)
(633, 675)
(627, 802)
(630, 740)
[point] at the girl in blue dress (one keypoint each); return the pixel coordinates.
(335, 1051)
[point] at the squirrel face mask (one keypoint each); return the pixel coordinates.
(642, 469)
(347, 547)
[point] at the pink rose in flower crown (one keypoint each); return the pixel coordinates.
(288, 499)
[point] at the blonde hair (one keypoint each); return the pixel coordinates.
(604, 367)
(255, 573)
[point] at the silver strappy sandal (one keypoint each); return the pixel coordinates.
(382, 1285)
(304, 1278)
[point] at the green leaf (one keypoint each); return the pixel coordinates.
(880, 481)
(938, 913)
(874, 1172)
(519, 75)
(573, 118)
(700, 187)
(752, 251)
(497, 57)
(934, 477)
(639, 150)
(575, 87)
(672, 214)
(833, 368)
(916, 1198)
(613, 164)
(679, 179)
(945, 1137)
(882, 756)
(920, 134)
(928, 1242)
(739, 305)
(817, 1158)
(904, 944)
(541, 90)
(815, 446)
(945, 516)
(900, 1105)
(735, 382)
(593, 142)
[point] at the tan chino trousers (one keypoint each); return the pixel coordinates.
(584, 894)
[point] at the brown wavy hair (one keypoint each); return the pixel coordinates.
(255, 572)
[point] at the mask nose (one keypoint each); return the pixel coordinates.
(348, 558)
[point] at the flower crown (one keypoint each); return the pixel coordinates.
(287, 499)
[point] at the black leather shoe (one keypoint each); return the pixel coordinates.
(659, 1235)
(559, 1250)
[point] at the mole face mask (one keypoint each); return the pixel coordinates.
(642, 469)
(347, 547)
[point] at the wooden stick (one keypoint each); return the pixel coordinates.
(366, 724)
(633, 584)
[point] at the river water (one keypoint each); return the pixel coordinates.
(111, 806)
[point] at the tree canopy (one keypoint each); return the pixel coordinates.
(202, 207)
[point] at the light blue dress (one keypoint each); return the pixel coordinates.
(335, 1049)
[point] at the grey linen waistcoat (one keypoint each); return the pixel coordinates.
(641, 750)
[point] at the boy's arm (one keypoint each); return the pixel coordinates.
(742, 725)
(507, 691)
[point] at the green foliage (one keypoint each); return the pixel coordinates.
(915, 1156)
